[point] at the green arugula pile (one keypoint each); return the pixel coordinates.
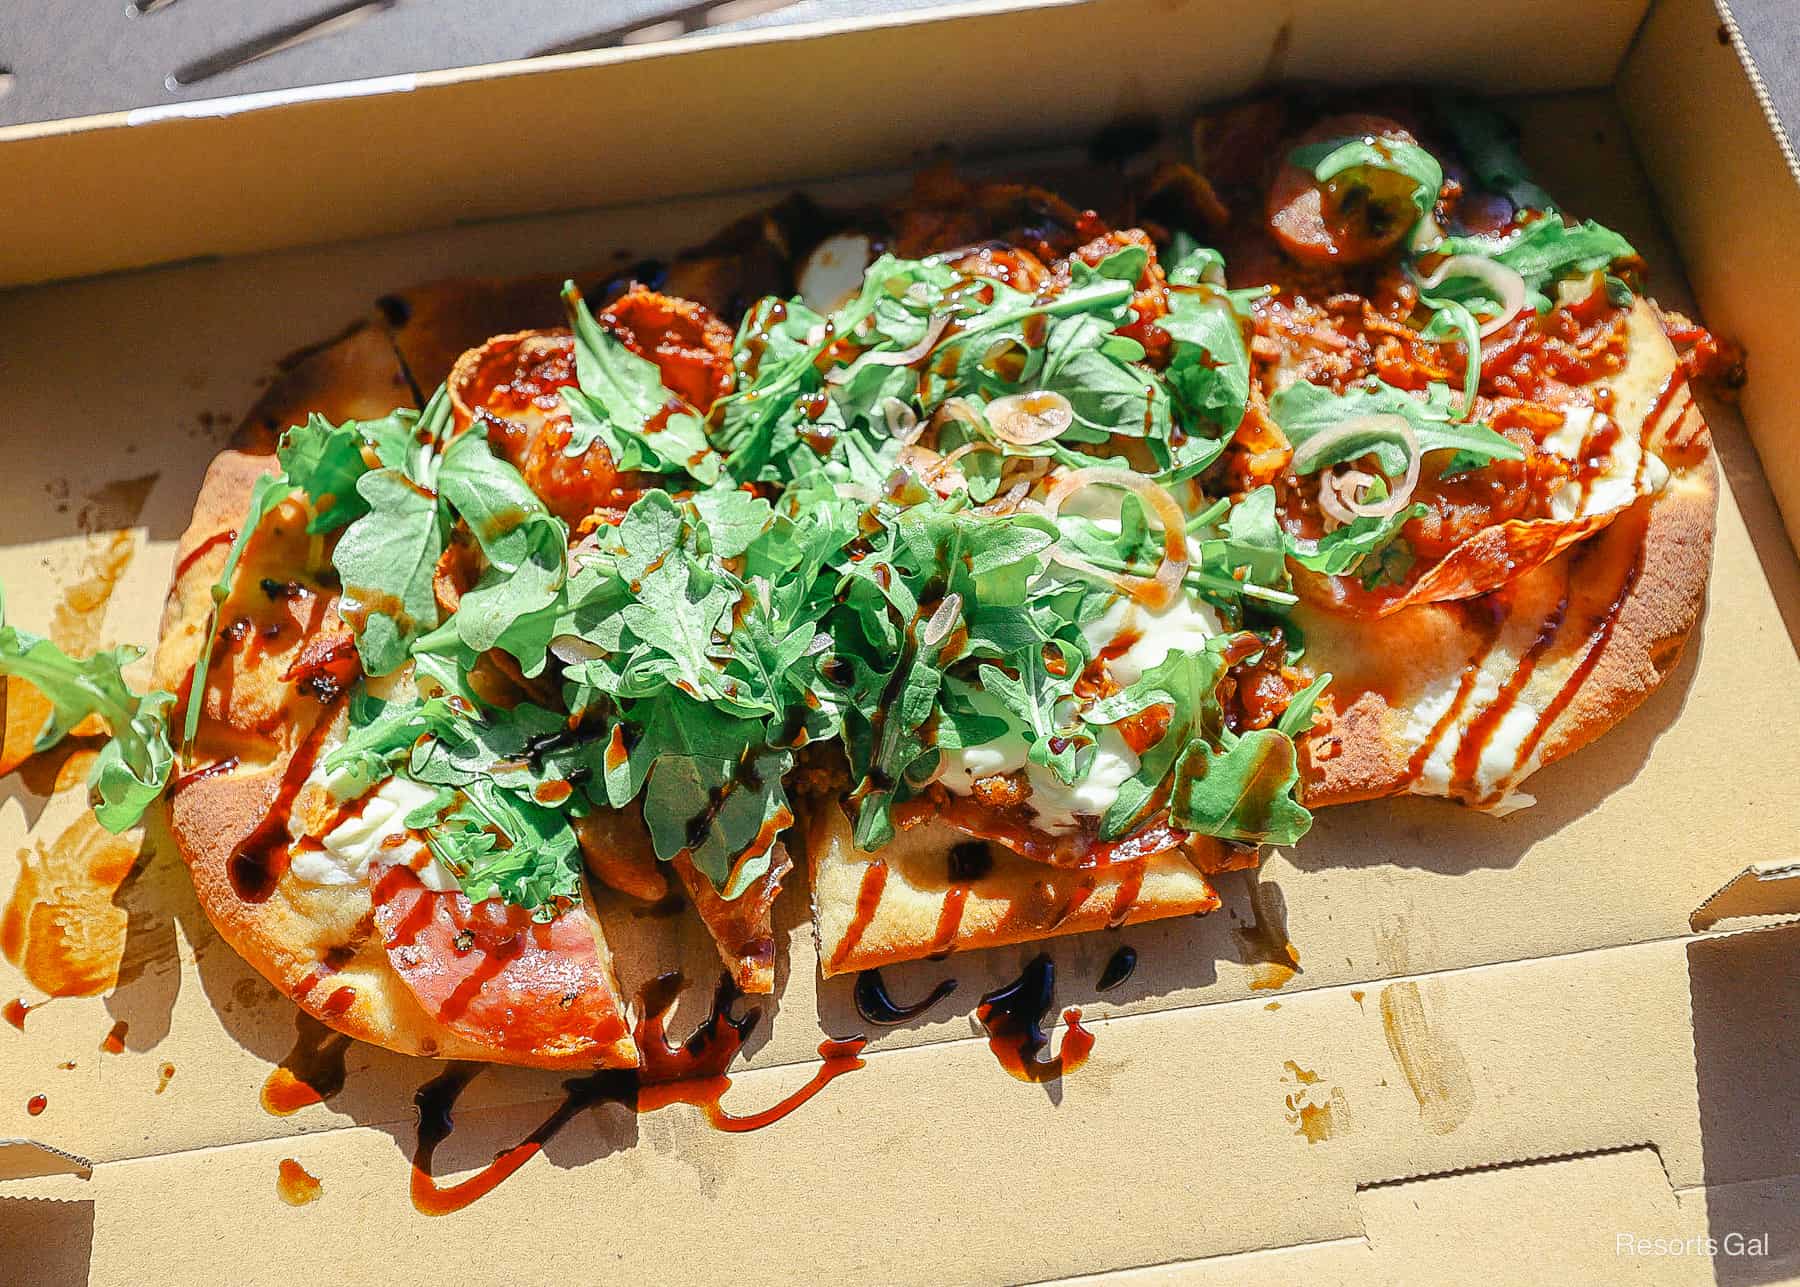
(794, 579)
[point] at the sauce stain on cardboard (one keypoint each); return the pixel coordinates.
(1264, 945)
(60, 926)
(1315, 1111)
(163, 1075)
(1431, 1061)
(295, 1184)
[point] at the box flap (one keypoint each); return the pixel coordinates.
(1758, 891)
(849, 99)
(28, 1159)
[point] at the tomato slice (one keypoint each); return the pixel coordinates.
(1364, 214)
(489, 973)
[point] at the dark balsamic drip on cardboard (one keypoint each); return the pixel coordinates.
(1118, 968)
(877, 1006)
(1013, 1017)
(692, 1072)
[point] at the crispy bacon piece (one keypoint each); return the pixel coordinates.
(490, 973)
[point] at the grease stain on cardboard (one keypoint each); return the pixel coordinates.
(1431, 1061)
(1316, 1112)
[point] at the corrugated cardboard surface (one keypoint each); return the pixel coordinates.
(1473, 994)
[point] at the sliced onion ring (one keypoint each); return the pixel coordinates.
(902, 421)
(938, 628)
(1505, 283)
(1158, 592)
(1339, 493)
(903, 357)
(1026, 419)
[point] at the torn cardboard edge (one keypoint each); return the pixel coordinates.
(1768, 893)
(22, 1159)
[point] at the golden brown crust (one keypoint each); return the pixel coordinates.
(936, 891)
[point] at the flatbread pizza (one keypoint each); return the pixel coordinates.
(992, 567)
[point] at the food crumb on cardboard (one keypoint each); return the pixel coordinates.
(163, 1075)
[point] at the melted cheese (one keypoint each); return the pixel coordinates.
(378, 828)
(348, 848)
(1497, 765)
(1628, 470)
(1057, 806)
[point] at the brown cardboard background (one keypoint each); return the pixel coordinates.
(1626, 1031)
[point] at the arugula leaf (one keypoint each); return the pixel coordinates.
(1345, 549)
(266, 493)
(381, 733)
(500, 846)
(1543, 252)
(1489, 144)
(1209, 371)
(1297, 718)
(1334, 157)
(621, 402)
(135, 763)
(723, 814)
(1044, 705)
(1242, 791)
(386, 559)
(1450, 318)
(525, 545)
(1303, 411)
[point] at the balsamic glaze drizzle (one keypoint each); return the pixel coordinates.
(876, 1006)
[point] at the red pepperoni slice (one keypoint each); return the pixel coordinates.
(1366, 223)
(488, 972)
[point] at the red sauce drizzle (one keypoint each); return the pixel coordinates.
(1467, 760)
(1013, 1017)
(868, 898)
(259, 860)
(199, 552)
(338, 1002)
(16, 1010)
(113, 1043)
(1126, 898)
(1597, 641)
(950, 918)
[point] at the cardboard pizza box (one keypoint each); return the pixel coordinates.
(1423, 1046)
